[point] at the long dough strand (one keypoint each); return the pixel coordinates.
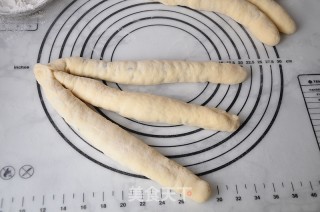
(118, 144)
(239, 10)
(277, 14)
(152, 72)
(147, 107)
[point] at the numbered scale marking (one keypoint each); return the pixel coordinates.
(306, 191)
(310, 87)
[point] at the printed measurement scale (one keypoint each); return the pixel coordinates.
(270, 164)
(104, 200)
(310, 87)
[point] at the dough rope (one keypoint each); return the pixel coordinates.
(115, 142)
(264, 18)
(147, 107)
(118, 144)
(151, 72)
(277, 14)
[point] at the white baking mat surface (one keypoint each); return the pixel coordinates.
(270, 164)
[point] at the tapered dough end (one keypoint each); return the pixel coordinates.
(234, 123)
(39, 72)
(233, 74)
(281, 18)
(64, 64)
(241, 74)
(258, 23)
(287, 25)
(290, 28)
(37, 69)
(265, 31)
(271, 38)
(224, 121)
(58, 65)
(277, 14)
(201, 192)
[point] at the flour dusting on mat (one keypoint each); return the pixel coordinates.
(16, 6)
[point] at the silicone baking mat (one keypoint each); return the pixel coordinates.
(271, 163)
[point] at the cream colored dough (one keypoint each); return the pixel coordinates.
(118, 144)
(247, 14)
(277, 14)
(147, 107)
(152, 72)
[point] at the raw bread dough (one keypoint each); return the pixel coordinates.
(118, 144)
(152, 72)
(241, 11)
(147, 107)
(277, 14)
(264, 18)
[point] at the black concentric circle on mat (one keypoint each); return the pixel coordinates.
(133, 30)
